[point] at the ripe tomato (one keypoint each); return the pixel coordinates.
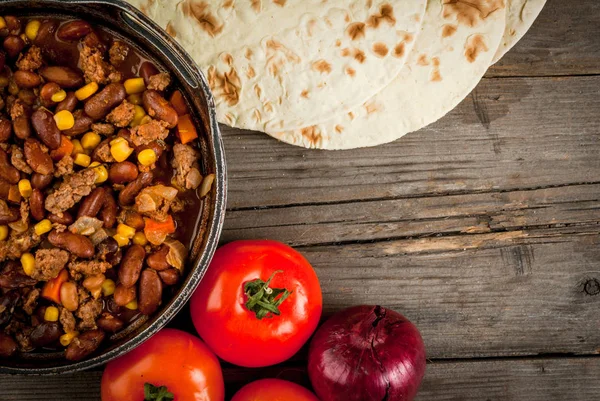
(237, 328)
(172, 358)
(273, 390)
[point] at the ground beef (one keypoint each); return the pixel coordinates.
(32, 60)
(185, 163)
(71, 190)
(88, 312)
(17, 158)
(121, 115)
(95, 69)
(24, 212)
(48, 263)
(82, 295)
(103, 129)
(18, 109)
(87, 268)
(30, 301)
(64, 166)
(102, 152)
(67, 320)
(159, 81)
(151, 131)
(18, 244)
(118, 53)
(23, 339)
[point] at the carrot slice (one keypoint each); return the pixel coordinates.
(156, 231)
(65, 148)
(51, 290)
(178, 103)
(186, 131)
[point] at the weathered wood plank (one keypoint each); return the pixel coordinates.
(418, 217)
(509, 134)
(562, 41)
(540, 379)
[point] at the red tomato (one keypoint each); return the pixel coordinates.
(172, 358)
(273, 390)
(220, 309)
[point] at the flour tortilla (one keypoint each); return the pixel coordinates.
(520, 16)
(285, 64)
(452, 52)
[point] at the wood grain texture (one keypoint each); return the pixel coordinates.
(508, 134)
(562, 41)
(540, 379)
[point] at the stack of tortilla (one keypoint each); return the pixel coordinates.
(341, 74)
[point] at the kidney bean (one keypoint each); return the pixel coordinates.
(36, 205)
(45, 33)
(73, 30)
(93, 282)
(131, 266)
(82, 124)
(44, 125)
(84, 345)
(91, 204)
(8, 215)
(154, 145)
(108, 213)
(5, 189)
(13, 45)
(8, 346)
(16, 279)
(147, 69)
(38, 160)
(27, 79)
(109, 323)
(41, 181)
(124, 295)
(69, 103)
(78, 245)
(21, 127)
(68, 296)
(66, 219)
(48, 90)
(169, 276)
(8, 302)
(128, 194)
(134, 219)
(155, 103)
(5, 129)
(123, 172)
(109, 251)
(45, 334)
(27, 96)
(149, 292)
(99, 105)
(158, 259)
(7, 171)
(64, 76)
(2, 60)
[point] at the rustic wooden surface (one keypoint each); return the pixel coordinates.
(484, 228)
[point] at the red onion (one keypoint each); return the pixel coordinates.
(366, 353)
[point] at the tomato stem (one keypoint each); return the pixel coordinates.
(154, 393)
(263, 300)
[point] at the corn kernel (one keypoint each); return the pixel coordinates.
(121, 151)
(121, 240)
(59, 96)
(138, 115)
(147, 157)
(3, 233)
(31, 29)
(117, 140)
(86, 91)
(140, 239)
(68, 338)
(2, 23)
(134, 85)
(51, 314)
(132, 305)
(77, 148)
(28, 263)
(108, 287)
(125, 230)
(64, 120)
(94, 164)
(101, 173)
(136, 99)
(90, 140)
(83, 160)
(25, 188)
(43, 227)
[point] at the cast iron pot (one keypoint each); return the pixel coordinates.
(158, 46)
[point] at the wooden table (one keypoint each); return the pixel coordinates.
(483, 229)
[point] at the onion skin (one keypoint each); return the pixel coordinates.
(366, 353)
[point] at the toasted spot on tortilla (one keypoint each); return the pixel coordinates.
(435, 73)
(268, 107)
(474, 46)
(171, 29)
(399, 50)
(371, 107)
(205, 19)
(256, 5)
(230, 118)
(278, 55)
(345, 52)
(257, 115)
(226, 87)
(310, 27)
(422, 60)
(339, 129)
(448, 30)
(380, 49)
(304, 93)
(359, 56)
(351, 115)
(356, 30)
(386, 14)
(228, 3)
(227, 58)
(321, 66)
(350, 71)
(257, 90)
(347, 17)
(249, 53)
(312, 134)
(470, 12)
(280, 2)
(250, 73)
